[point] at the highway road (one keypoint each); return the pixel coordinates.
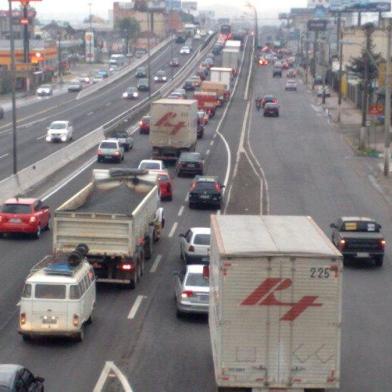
(308, 169)
(86, 114)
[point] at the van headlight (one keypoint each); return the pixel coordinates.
(64, 138)
(48, 138)
(155, 78)
(164, 78)
(75, 320)
(125, 95)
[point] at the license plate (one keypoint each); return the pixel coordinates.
(108, 157)
(205, 197)
(203, 298)
(362, 254)
(49, 321)
(191, 165)
(15, 220)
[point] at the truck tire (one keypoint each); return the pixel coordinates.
(133, 281)
(148, 249)
(79, 337)
(379, 260)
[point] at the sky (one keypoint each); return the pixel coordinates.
(79, 9)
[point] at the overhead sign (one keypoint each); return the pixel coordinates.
(360, 5)
(317, 25)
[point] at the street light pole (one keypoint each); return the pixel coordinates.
(59, 59)
(340, 74)
(148, 52)
(387, 111)
(13, 82)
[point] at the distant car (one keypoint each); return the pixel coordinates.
(16, 378)
(277, 71)
(291, 85)
(188, 85)
(140, 53)
(98, 78)
(206, 191)
(144, 125)
(22, 215)
(180, 92)
(209, 62)
(75, 86)
(126, 140)
(174, 62)
(192, 290)
(271, 110)
(196, 80)
(268, 99)
(85, 79)
(151, 164)
(190, 163)
(45, 90)
(185, 50)
(197, 36)
(291, 74)
(320, 90)
(195, 245)
(141, 72)
(160, 77)
(1, 112)
(318, 80)
(131, 93)
(110, 150)
(142, 84)
(103, 73)
(59, 131)
(175, 95)
(165, 186)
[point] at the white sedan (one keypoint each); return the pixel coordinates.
(195, 245)
(151, 164)
(185, 50)
(59, 131)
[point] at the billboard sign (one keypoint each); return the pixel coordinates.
(360, 5)
(89, 51)
(317, 25)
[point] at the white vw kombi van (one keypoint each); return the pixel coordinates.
(58, 298)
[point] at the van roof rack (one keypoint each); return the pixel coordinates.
(62, 268)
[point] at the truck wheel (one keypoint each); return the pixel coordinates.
(379, 260)
(132, 282)
(80, 335)
(26, 338)
(37, 234)
(148, 249)
(345, 261)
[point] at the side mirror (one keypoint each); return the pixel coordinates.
(223, 186)
(39, 379)
(181, 235)
(45, 208)
(333, 226)
(379, 227)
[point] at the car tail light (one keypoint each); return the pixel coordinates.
(191, 248)
(75, 320)
(1, 218)
(217, 187)
(140, 123)
(117, 153)
(187, 294)
(32, 219)
(382, 244)
(22, 319)
(126, 267)
(193, 186)
(342, 244)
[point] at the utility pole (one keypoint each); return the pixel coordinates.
(387, 110)
(149, 24)
(306, 57)
(59, 58)
(369, 29)
(26, 43)
(13, 82)
(340, 74)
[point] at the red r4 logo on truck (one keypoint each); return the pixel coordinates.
(264, 295)
(165, 122)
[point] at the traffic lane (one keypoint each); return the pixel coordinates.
(105, 306)
(31, 142)
(311, 171)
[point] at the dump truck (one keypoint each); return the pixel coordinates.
(117, 215)
(231, 59)
(173, 127)
(275, 304)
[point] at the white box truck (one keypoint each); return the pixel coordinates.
(220, 74)
(173, 127)
(233, 44)
(117, 215)
(275, 304)
(231, 59)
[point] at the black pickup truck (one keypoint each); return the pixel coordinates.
(359, 238)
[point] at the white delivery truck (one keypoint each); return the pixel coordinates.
(220, 74)
(117, 215)
(173, 127)
(231, 59)
(233, 44)
(275, 304)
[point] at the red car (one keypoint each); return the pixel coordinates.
(144, 125)
(165, 186)
(28, 216)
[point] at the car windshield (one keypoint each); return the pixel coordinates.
(146, 119)
(150, 165)
(194, 279)
(143, 81)
(362, 227)
(50, 291)
(141, 70)
(108, 145)
(202, 239)
(16, 208)
(58, 125)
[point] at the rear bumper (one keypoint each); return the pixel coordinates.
(195, 259)
(362, 254)
(192, 308)
(49, 332)
(193, 170)
(206, 202)
(18, 228)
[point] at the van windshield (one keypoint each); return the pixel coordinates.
(50, 291)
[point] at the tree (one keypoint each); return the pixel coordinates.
(129, 28)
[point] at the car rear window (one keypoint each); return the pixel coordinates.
(50, 291)
(194, 279)
(16, 208)
(206, 186)
(202, 239)
(108, 145)
(150, 165)
(363, 227)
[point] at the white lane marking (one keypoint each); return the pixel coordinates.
(133, 130)
(214, 137)
(212, 143)
(208, 152)
(156, 263)
(108, 103)
(135, 307)
(181, 210)
(41, 137)
(186, 198)
(173, 229)
(246, 93)
(111, 370)
(68, 179)
(90, 113)
(4, 155)
(18, 304)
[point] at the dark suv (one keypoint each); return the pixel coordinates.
(15, 378)
(206, 191)
(189, 163)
